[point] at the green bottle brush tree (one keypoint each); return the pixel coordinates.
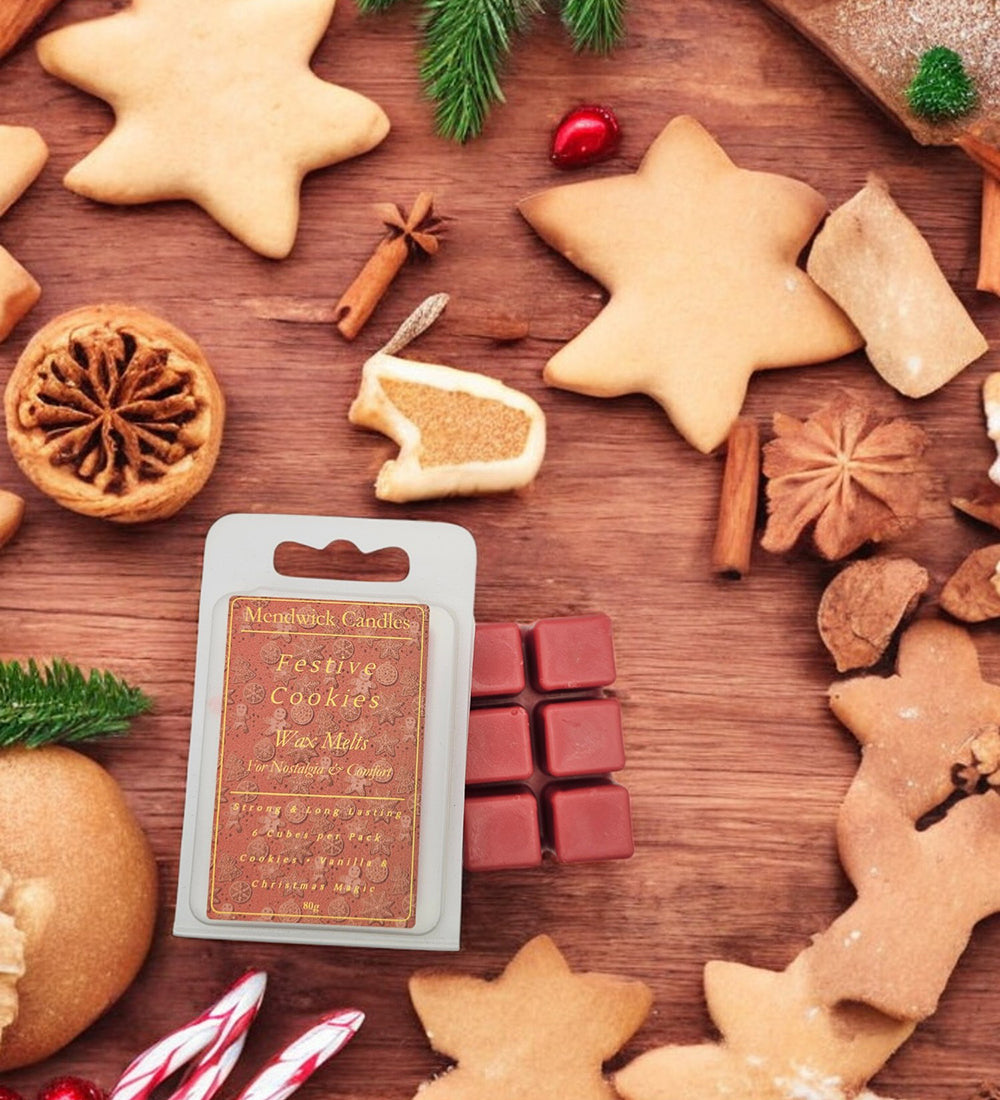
(466, 42)
(941, 89)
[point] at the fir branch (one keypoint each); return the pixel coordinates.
(59, 703)
(466, 44)
(594, 24)
(366, 6)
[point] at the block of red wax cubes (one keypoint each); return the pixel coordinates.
(544, 738)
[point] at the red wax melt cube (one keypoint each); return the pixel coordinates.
(501, 831)
(497, 660)
(499, 746)
(582, 737)
(589, 823)
(573, 652)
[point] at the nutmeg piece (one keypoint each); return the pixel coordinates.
(115, 413)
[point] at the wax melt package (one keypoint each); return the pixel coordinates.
(326, 770)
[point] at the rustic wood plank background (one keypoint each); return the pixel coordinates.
(735, 765)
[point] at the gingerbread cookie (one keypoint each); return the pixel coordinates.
(699, 257)
(540, 1030)
(895, 947)
(874, 262)
(214, 102)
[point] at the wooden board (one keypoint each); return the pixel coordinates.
(735, 765)
(878, 44)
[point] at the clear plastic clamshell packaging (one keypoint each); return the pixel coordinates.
(326, 775)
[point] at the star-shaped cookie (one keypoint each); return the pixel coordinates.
(22, 156)
(777, 1043)
(214, 102)
(699, 257)
(538, 1032)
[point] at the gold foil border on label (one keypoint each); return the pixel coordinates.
(317, 805)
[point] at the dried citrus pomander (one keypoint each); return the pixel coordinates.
(115, 413)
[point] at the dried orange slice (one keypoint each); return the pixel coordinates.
(115, 413)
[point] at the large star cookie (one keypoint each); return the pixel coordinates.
(699, 257)
(540, 1031)
(214, 102)
(777, 1044)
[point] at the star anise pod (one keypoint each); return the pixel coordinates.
(115, 413)
(852, 473)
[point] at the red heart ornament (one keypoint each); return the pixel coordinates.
(586, 135)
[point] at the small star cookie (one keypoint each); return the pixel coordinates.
(538, 1032)
(699, 257)
(23, 154)
(214, 102)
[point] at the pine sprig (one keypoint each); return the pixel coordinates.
(466, 43)
(594, 24)
(366, 6)
(60, 703)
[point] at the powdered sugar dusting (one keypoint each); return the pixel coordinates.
(887, 37)
(891, 36)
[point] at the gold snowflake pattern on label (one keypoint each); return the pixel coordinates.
(318, 788)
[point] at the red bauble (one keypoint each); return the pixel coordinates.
(9, 1094)
(586, 135)
(71, 1088)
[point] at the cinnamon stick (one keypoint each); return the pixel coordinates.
(989, 236)
(410, 235)
(358, 302)
(16, 19)
(738, 500)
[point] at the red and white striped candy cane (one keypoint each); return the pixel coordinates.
(290, 1067)
(217, 1034)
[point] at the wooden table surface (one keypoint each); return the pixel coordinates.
(735, 765)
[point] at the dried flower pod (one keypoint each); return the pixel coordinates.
(114, 413)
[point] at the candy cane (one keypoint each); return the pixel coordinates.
(219, 1032)
(283, 1074)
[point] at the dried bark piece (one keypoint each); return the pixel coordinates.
(970, 593)
(852, 473)
(114, 413)
(863, 606)
(982, 506)
(875, 264)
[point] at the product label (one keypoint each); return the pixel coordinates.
(318, 790)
